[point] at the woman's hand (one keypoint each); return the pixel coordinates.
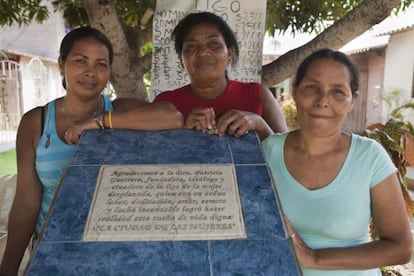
(236, 122)
(73, 133)
(202, 118)
(304, 254)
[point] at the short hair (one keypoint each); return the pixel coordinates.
(193, 19)
(330, 54)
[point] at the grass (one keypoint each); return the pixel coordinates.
(8, 163)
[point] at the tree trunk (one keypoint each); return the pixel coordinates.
(353, 24)
(127, 69)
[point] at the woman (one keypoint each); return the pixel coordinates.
(206, 45)
(42, 154)
(332, 183)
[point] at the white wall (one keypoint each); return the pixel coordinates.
(374, 88)
(35, 39)
(42, 41)
(36, 92)
(399, 65)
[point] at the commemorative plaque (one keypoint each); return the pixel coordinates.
(165, 202)
(176, 202)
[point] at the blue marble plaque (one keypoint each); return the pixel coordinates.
(264, 249)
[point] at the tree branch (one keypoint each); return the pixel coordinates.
(353, 24)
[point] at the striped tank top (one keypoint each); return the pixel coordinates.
(52, 157)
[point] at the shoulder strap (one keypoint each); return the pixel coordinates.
(42, 120)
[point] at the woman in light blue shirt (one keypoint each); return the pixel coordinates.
(332, 183)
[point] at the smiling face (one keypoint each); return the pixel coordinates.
(323, 97)
(86, 69)
(205, 55)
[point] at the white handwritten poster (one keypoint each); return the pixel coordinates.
(245, 17)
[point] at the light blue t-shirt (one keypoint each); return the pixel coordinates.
(337, 215)
(52, 157)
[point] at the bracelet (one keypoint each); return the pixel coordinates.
(110, 119)
(98, 120)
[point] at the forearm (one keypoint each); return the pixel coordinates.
(272, 113)
(395, 239)
(371, 255)
(21, 226)
(154, 116)
(276, 122)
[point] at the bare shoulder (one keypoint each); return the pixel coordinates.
(32, 118)
(29, 188)
(30, 126)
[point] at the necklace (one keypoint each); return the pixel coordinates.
(69, 121)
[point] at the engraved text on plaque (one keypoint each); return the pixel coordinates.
(165, 202)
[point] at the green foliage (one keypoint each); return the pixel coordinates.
(392, 135)
(146, 49)
(305, 16)
(130, 11)
(22, 12)
(290, 113)
(394, 100)
(404, 4)
(73, 12)
(311, 15)
(8, 163)
(396, 113)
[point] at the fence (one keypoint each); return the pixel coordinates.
(9, 123)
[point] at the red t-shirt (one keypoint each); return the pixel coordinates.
(238, 95)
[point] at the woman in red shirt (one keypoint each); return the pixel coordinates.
(212, 102)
